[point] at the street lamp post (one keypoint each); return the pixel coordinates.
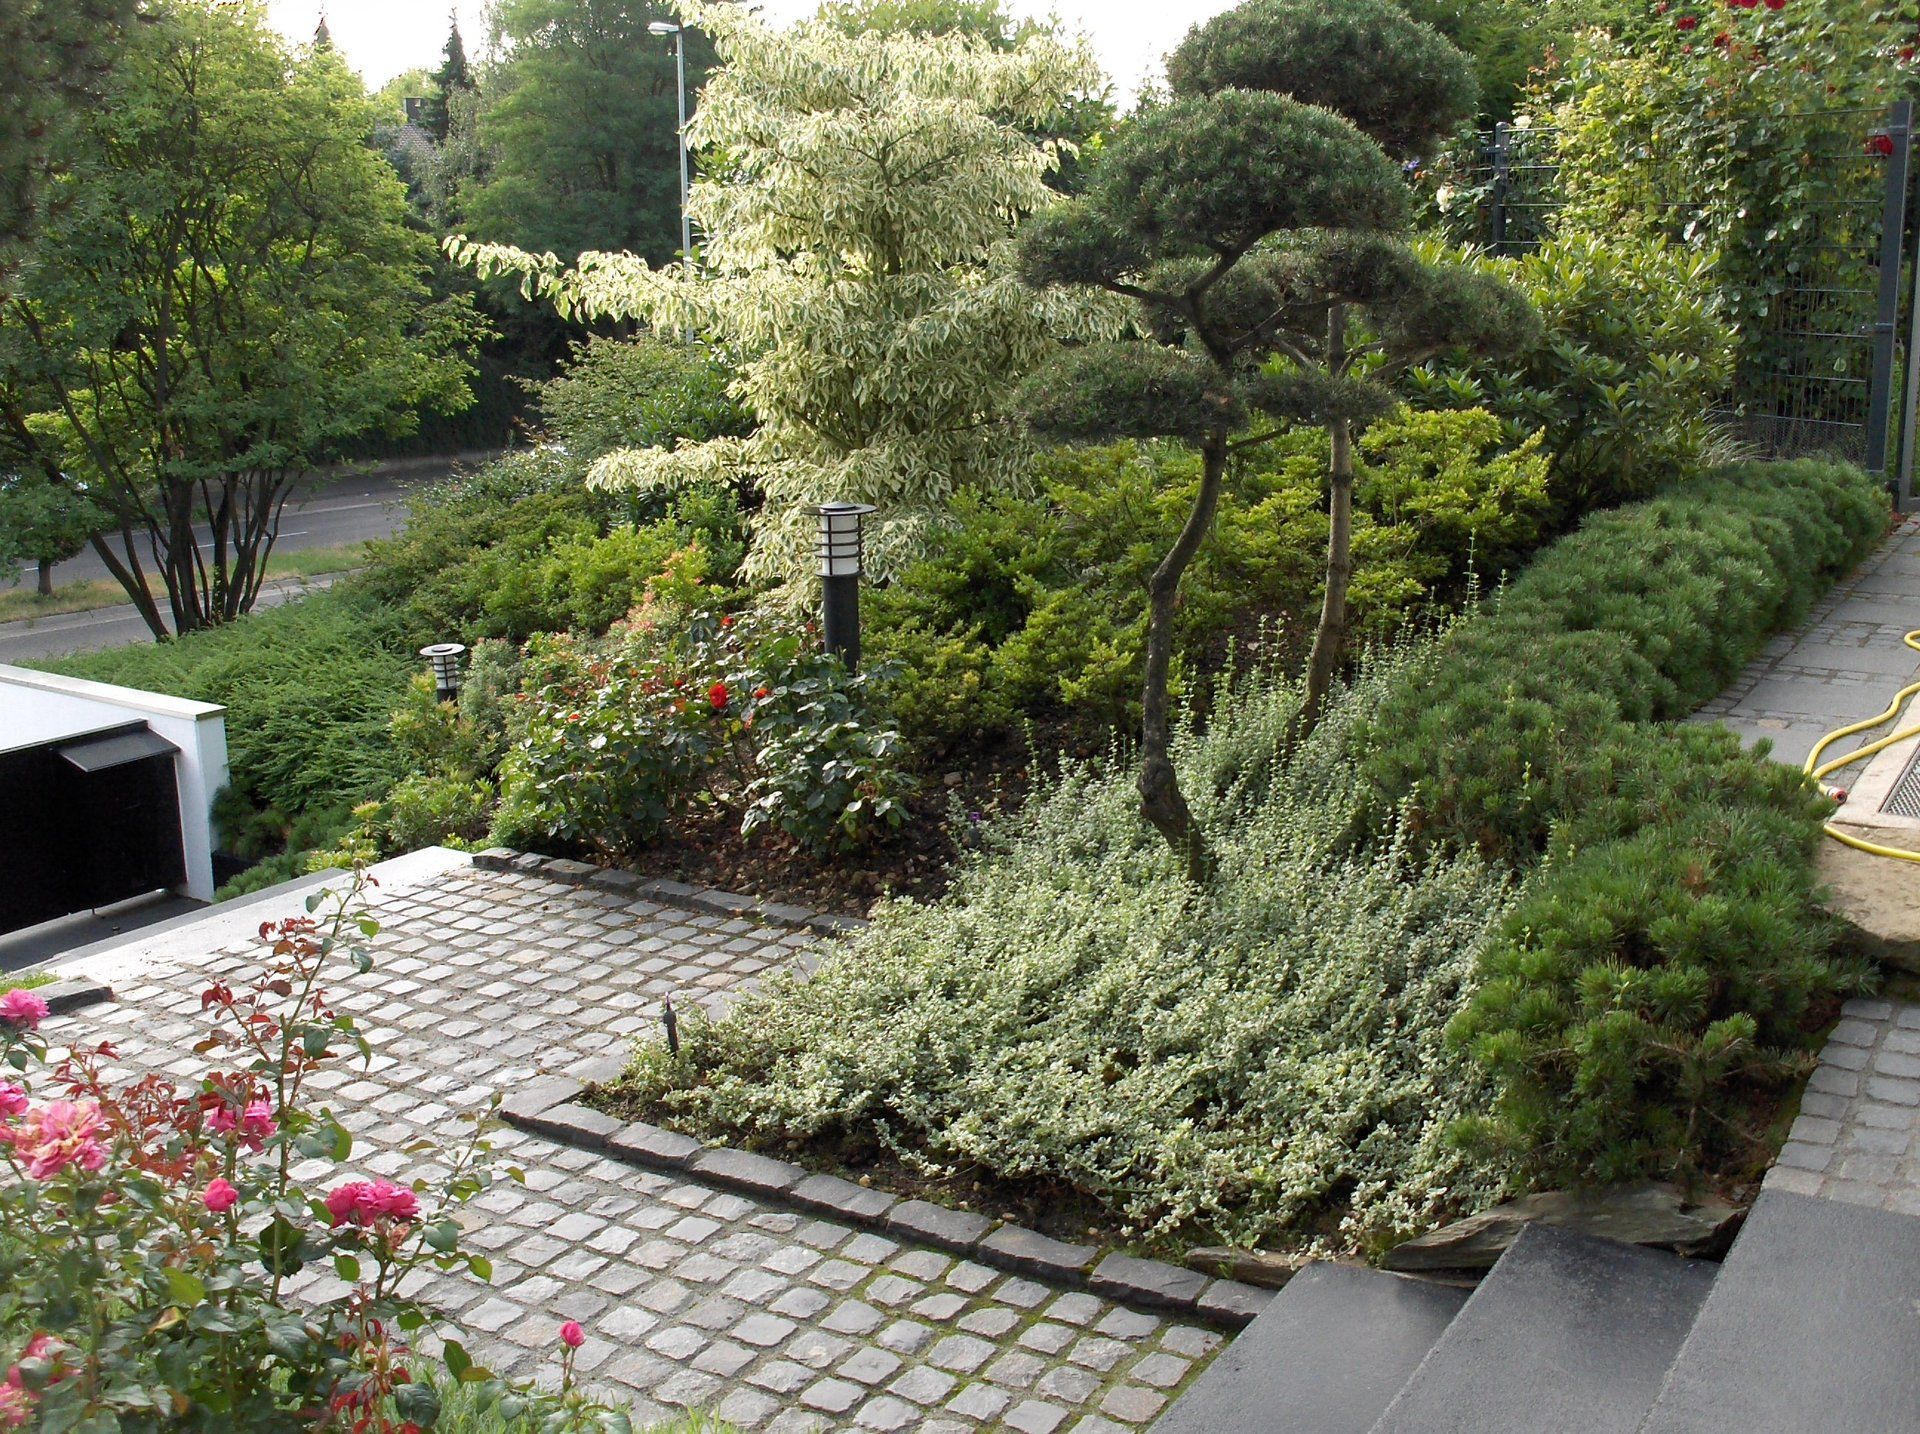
(679, 33)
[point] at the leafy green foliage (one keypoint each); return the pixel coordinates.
(42, 522)
(1635, 353)
(1266, 1062)
(579, 119)
(615, 741)
(1037, 607)
(227, 291)
(638, 393)
(1668, 965)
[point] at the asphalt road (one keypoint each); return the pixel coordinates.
(329, 513)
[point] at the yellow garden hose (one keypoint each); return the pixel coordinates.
(1818, 770)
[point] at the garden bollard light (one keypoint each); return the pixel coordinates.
(444, 658)
(839, 549)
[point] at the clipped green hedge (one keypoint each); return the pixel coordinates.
(1665, 968)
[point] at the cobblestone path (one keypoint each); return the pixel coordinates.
(694, 1297)
(1839, 666)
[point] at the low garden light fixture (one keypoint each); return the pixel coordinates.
(839, 549)
(444, 660)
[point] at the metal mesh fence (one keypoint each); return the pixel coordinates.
(1815, 311)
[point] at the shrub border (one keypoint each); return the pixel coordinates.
(550, 1105)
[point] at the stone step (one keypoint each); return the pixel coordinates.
(1811, 1325)
(1568, 1334)
(1324, 1357)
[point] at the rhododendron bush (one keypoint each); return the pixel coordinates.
(151, 1229)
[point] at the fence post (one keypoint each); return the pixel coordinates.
(1886, 321)
(1910, 400)
(1497, 195)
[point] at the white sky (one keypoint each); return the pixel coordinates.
(380, 38)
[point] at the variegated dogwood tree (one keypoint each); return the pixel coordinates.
(857, 201)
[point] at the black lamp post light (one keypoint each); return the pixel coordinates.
(444, 660)
(839, 550)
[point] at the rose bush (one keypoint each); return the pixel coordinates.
(151, 1231)
(744, 714)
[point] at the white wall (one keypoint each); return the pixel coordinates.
(38, 707)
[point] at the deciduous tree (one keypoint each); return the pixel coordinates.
(856, 262)
(226, 292)
(43, 522)
(1256, 221)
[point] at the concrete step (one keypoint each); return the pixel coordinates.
(1324, 1358)
(1567, 1335)
(1811, 1325)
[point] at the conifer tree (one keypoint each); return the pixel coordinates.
(452, 78)
(1257, 219)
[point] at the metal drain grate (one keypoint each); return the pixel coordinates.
(1904, 799)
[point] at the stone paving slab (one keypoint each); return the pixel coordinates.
(1841, 665)
(694, 1296)
(1857, 1137)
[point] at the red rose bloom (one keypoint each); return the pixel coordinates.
(1776, 4)
(717, 695)
(1880, 145)
(1688, 22)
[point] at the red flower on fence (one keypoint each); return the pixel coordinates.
(1880, 145)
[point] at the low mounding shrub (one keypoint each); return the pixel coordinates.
(1038, 605)
(1667, 966)
(1267, 1060)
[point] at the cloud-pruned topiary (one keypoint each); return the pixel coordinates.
(1256, 222)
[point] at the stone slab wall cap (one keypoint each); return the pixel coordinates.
(650, 1145)
(573, 873)
(726, 903)
(1230, 1303)
(759, 1173)
(1147, 1282)
(1015, 1247)
(959, 1230)
(1264, 1268)
(787, 915)
(831, 1195)
(528, 861)
(495, 858)
(1647, 1212)
(832, 925)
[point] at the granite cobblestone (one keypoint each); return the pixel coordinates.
(777, 1320)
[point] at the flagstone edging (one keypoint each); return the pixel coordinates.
(551, 1106)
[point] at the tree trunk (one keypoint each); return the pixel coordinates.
(46, 578)
(1329, 638)
(1161, 801)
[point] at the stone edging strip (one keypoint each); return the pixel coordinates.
(72, 993)
(670, 893)
(549, 1105)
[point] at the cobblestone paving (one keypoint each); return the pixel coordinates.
(1841, 665)
(694, 1297)
(1858, 1135)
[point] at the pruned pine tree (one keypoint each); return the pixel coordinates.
(856, 261)
(1257, 221)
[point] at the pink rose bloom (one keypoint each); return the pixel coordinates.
(251, 1127)
(58, 1134)
(13, 1100)
(22, 1009)
(219, 1196)
(361, 1202)
(16, 1405)
(571, 1335)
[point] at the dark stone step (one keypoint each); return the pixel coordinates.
(1811, 1325)
(1568, 1334)
(1323, 1358)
